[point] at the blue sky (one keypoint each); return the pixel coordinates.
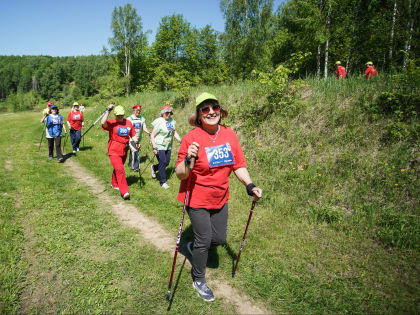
(82, 27)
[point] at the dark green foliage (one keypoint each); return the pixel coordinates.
(400, 102)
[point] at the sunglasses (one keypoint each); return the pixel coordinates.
(206, 109)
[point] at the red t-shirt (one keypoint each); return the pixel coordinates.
(216, 160)
(75, 119)
(119, 134)
(370, 72)
(340, 73)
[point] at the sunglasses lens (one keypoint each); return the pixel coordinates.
(216, 108)
(205, 110)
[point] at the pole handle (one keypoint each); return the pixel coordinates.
(192, 163)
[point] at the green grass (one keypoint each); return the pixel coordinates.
(336, 230)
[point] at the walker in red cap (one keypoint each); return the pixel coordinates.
(139, 124)
(162, 138)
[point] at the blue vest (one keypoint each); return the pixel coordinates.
(55, 125)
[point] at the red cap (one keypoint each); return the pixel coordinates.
(138, 106)
(49, 104)
(166, 108)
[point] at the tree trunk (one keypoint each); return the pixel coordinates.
(34, 84)
(327, 43)
(127, 70)
(410, 27)
(394, 16)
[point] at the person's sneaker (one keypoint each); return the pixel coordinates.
(153, 172)
(60, 160)
(77, 150)
(126, 196)
(116, 188)
(190, 247)
(165, 185)
(50, 158)
(74, 150)
(203, 291)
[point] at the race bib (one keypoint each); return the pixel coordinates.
(56, 121)
(137, 125)
(220, 155)
(122, 131)
(75, 117)
(171, 130)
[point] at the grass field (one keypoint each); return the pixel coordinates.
(314, 245)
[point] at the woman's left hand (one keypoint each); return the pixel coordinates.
(257, 193)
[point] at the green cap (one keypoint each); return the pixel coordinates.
(369, 63)
(204, 97)
(119, 110)
(75, 104)
(338, 62)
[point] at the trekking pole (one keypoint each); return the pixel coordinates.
(243, 239)
(42, 137)
(99, 118)
(83, 144)
(178, 241)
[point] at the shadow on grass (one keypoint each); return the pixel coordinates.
(86, 148)
(176, 285)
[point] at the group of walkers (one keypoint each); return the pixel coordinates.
(211, 147)
(208, 154)
(340, 72)
(54, 127)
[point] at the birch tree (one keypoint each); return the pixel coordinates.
(127, 36)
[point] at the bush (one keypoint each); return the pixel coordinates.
(22, 101)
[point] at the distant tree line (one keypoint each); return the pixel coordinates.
(257, 36)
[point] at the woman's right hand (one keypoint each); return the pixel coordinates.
(193, 150)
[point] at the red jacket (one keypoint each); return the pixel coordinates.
(340, 73)
(370, 72)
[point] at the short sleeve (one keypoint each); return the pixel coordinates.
(109, 126)
(183, 149)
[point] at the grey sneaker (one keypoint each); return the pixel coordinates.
(190, 247)
(153, 172)
(203, 291)
(165, 185)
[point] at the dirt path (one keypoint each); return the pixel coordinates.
(154, 233)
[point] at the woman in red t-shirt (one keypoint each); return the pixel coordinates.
(120, 131)
(217, 152)
(75, 123)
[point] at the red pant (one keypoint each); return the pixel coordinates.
(118, 175)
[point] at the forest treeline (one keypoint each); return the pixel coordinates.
(257, 37)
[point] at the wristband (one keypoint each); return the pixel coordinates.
(187, 161)
(154, 148)
(249, 188)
